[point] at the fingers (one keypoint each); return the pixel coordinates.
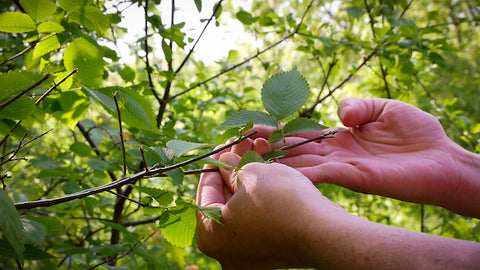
(354, 111)
(339, 173)
(211, 190)
(229, 175)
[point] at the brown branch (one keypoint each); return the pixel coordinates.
(24, 92)
(121, 182)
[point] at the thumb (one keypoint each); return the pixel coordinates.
(355, 112)
(229, 175)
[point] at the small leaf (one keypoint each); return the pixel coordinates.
(355, 11)
(285, 93)
(245, 17)
(241, 118)
(166, 155)
(164, 198)
(131, 237)
(198, 4)
(176, 176)
(180, 147)
(214, 162)
(167, 51)
(276, 136)
(214, 213)
(247, 127)
(249, 157)
(178, 226)
(81, 149)
(16, 22)
(11, 225)
(300, 125)
(97, 164)
(50, 27)
(274, 154)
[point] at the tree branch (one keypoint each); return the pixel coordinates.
(24, 92)
(123, 181)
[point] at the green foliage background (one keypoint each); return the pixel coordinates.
(421, 52)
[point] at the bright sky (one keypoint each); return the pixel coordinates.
(215, 43)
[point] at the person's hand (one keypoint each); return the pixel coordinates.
(393, 149)
(270, 213)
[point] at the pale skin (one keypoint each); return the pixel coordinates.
(273, 216)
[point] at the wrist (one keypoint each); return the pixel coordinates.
(465, 199)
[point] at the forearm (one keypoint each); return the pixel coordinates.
(361, 244)
(466, 199)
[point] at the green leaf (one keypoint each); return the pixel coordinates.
(71, 187)
(20, 109)
(31, 252)
(241, 118)
(176, 176)
(11, 225)
(245, 17)
(46, 46)
(274, 154)
(72, 5)
(87, 57)
(214, 162)
(92, 18)
(127, 74)
(355, 11)
(16, 22)
(52, 225)
(81, 149)
(214, 213)
(34, 231)
(136, 111)
(39, 10)
(130, 237)
(198, 4)
(178, 226)
(249, 157)
(97, 164)
(285, 93)
(15, 82)
(300, 125)
(180, 147)
(166, 155)
(164, 198)
(166, 50)
(50, 27)
(276, 136)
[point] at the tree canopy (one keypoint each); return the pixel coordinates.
(100, 156)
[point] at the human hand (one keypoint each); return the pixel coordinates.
(390, 148)
(270, 213)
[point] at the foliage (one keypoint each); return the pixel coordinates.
(100, 156)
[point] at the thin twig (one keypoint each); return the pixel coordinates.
(199, 37)
(147, 61)
(278, 42)
(127, 198)
(321, 137)
(27, 49)
(124, 155)
(143, 159)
